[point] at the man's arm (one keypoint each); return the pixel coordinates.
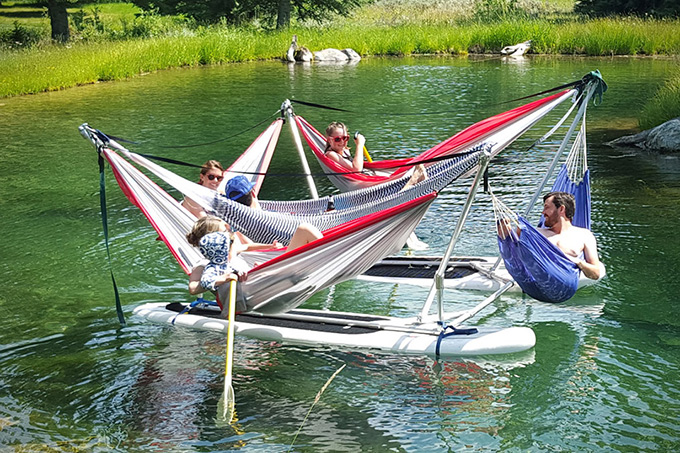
(590, 266)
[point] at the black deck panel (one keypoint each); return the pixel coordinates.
(425, 271)
(314, 326)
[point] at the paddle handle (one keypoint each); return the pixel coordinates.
(366, 155)
(230, 333)
(228, 389)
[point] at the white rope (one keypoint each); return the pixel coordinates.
(507, 220)
(577, 160)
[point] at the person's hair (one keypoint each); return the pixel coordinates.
(563, 199)
(246, 199)
(203, 226)
(210, 165)
(329, 130)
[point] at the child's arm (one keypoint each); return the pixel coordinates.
(212, 277)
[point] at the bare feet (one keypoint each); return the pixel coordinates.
(419, 174)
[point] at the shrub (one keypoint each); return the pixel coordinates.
(20, 36)
(665, 105)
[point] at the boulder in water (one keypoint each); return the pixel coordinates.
(664, 138)
(303, 54)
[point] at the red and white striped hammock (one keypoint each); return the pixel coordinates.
(498, 131)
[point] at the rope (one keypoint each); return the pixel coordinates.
(288, 175)
(577, 160)
(219, 140)
(507, 220)
(585, 79)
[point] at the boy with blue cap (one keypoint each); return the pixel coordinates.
(240, 189)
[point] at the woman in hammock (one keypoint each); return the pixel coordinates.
(337, 151)
(211, 176)
(336, 147)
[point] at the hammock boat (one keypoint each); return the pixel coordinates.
(275, 289)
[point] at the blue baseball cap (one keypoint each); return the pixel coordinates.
(237, 187)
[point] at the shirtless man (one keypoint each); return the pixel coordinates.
(577, 243)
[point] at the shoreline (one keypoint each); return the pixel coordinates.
(54, 67)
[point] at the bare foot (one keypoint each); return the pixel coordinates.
(419, 174)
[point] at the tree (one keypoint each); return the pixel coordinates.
(271, 12)
(56, 9)
(283, 14)
(661, 8)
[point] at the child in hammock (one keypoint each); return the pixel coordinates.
(221, 248)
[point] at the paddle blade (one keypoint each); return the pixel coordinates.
(225, 407)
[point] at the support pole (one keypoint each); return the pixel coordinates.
(470, 313)
(581, 111)
(438, 283)
(287, 110)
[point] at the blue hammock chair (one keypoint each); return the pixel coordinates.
(541, 269)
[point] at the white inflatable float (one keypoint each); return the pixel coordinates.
(350, 330)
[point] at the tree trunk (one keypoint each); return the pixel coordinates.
(58, 20)
(283, 18)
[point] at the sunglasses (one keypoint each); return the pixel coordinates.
(211, 177)
(340, 138)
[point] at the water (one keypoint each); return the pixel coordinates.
(602, 377)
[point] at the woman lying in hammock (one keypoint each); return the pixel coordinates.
(578, 244)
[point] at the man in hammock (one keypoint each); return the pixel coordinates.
(577, 243)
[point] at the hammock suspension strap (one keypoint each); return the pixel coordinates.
(449, 330)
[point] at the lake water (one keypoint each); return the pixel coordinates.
(602, 377)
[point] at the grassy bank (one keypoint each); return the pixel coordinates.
(54, 67)
(664, 106)
(113, 41)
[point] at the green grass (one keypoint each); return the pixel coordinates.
(665, 105)
(113, 42)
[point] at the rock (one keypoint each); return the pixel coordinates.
(352, 54)
(303, 54)
(330, 55)
(517, 50)
(664, 138)
(290, 55)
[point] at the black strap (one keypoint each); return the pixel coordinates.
(102, 203)
(454, 331)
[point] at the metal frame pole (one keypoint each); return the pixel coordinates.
(438, 282)
(287, 110)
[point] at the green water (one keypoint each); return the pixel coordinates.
(602, 377)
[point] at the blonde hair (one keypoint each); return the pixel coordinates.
(332, 127)
(203, 226)
(210, 165)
